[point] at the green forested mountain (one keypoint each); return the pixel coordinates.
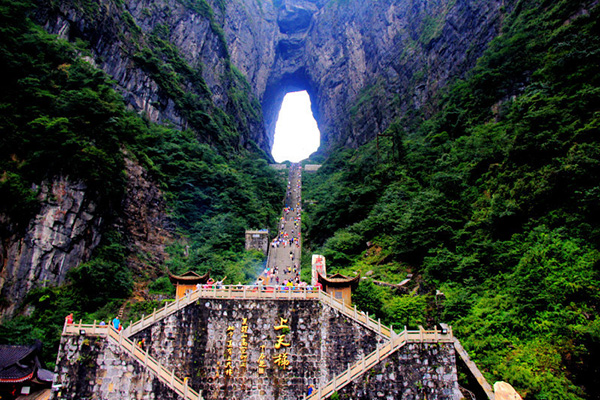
(493, 200)
(60, 116)
(490, 194)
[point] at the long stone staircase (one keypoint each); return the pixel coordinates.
(389, 344)
(392, 343)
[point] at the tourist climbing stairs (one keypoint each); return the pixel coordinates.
(382, 351)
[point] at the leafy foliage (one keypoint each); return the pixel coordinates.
(61, 117)
(493, 200)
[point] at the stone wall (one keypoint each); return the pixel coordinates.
(312, 167)
(258, 240)
(91, 368)
(204, 342)
(416, 371)
(194, 343)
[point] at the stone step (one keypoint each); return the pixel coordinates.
(382, 352)
(167, 376)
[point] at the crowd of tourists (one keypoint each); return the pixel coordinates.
(283, 267)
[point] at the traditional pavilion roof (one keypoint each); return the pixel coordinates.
(21, 363)
(339, 280)
(189, 278)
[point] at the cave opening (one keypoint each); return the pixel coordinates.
(297, 135)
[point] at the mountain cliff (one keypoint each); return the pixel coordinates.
(355, 58)
(221, 69)
(135, 137)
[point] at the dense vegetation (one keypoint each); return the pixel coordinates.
(60, 116)
(494, 200)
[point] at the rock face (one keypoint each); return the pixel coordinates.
(62, 235)
(363, 64)
(146, 222)
(67, 229)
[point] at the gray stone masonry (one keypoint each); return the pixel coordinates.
(194, 342)
(417, 371)
(258, 240)
(205, 342)
(89, 368)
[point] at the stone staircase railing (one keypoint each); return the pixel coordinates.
(354, 314)
(240, 292)
(244, 292)
(165, 375)
(487, 388)
(381, 352)
(85, 329)
(237, 292)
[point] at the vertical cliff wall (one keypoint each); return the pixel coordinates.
(363, 63)
(222, 69)
(68, 227)
(64, 233)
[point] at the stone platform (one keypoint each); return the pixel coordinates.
(255, 349)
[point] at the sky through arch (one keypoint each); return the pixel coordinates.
(296, 133)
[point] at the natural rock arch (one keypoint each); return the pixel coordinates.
(363, 64)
